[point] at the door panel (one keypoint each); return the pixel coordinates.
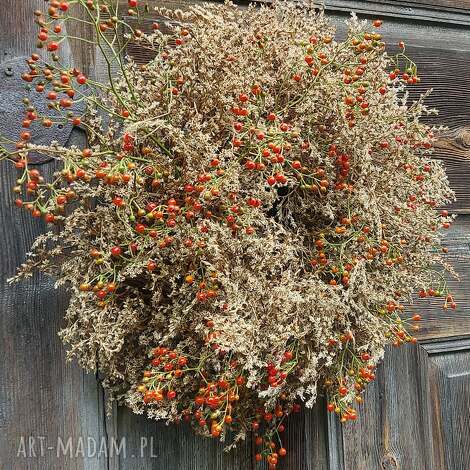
(415, 414)
(445, 371)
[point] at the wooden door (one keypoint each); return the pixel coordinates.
(416, 415)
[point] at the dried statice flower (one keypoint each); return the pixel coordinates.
(252, 209)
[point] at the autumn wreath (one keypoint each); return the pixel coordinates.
(251, 210)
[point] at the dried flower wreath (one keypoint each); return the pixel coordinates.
(252, 208)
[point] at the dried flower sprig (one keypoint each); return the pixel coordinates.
(252, 211)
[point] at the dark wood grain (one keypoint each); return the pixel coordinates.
(306, 440)
(18, 30)
(440, 4)
(443, 61)
(415, 413)
(389, 432)
(84, 54)
(440, 323)
(154, 445)
(446, 75)
(43, 398)
(446, 402)
(451, 12)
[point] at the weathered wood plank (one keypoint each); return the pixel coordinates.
(445, 75)
(306, 440)
(44, 402)
(453, 12)
(414, 414)
(440, 4)
(370, 5)
(446, 403)
(153, 445)
(84, 54)
(440, 323)
(443, 60)
(41, 395)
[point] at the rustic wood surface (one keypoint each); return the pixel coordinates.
(451, 96)
(435, 11)
(440, 323)
(438, 4)
(42, 398)
(416, 414)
